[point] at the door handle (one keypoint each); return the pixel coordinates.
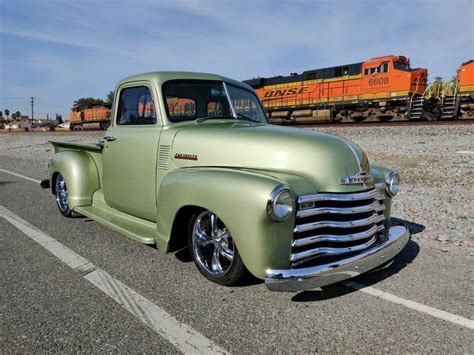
(109, 138)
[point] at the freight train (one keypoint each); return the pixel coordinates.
(380, 89)
(96, 115)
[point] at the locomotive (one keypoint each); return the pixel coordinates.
(463, 98)
(379, 89)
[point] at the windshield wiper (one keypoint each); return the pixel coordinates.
(247, 117)
(202, 119)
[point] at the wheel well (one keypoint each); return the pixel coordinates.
(179, 231)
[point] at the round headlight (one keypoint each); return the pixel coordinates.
(393, 182)
(280, 203)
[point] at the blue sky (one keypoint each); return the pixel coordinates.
(58, 50)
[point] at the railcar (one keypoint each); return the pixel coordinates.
(97, 115)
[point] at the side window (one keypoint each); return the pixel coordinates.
(384, 67)
(136, 107)
(181, 108)
(366, 71)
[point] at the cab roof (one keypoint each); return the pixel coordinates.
(160, 77)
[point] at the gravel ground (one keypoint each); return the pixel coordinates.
(433, 161)
(46, 306)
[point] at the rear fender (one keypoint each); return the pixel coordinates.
(81, 175)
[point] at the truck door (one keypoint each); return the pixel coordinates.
(129, 154)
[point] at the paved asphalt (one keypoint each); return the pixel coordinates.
(46, 306)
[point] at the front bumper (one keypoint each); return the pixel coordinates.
(291, 280)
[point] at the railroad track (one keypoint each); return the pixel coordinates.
(388, 124)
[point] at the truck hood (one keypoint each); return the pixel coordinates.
(319, 157)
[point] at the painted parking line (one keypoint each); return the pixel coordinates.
(437, 313)
(419, 307)
(19, 175)
(467, 152)
(181, 335)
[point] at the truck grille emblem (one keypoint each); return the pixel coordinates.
(359, 178)
(185, 156)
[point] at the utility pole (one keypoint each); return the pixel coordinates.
(32, 105)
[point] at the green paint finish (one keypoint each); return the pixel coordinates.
(136, 185)
(81, 175)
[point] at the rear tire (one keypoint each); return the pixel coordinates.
(62, 196)
(213, 249)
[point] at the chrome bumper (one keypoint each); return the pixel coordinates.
(291, 280)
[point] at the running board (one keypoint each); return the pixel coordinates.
(135, 228)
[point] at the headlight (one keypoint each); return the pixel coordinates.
(280, 203)
(393, 182)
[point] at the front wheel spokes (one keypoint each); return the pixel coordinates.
(214, 229)
(201, 236)
(226, 253)
(216, 263)
(213, 247)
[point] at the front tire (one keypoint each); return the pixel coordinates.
(213, 249)
(62, 196)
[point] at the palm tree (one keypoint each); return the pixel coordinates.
(18, 115)
(110, 98)
(7, 113)
(437, 86)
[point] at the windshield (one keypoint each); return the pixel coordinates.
(401, 65)
(188, 100)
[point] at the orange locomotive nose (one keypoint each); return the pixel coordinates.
(419, 79)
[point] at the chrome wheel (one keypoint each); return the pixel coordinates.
(212, 244)
(62, 194)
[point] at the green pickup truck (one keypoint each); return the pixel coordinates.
(190, 161)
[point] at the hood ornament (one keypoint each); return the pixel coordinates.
(358, 178)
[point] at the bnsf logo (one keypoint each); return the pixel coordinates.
(285, 92)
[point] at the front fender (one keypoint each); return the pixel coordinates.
(239, 198)
(81, 175)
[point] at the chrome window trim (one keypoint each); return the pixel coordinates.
(229, 100)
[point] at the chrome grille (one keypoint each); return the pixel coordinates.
(331, 226)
